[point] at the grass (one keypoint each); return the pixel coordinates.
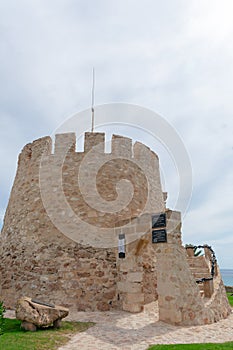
(207, 346)
(50, 339)
(47, 339)
(230, 298)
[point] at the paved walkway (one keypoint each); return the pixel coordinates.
(120, 330)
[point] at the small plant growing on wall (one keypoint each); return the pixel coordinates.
(196, 250)
(2, 320)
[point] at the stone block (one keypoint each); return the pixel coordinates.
(208, 287)
(128, 287)
(134, 308)
(128, 264)
(121, 146)
(65, 143)
(173, 215)
(93, 139)
(135, 276)
(134, 298)
(38, 314)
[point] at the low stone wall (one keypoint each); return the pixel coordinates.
(229, 289)
(218, 307)
(179, 298)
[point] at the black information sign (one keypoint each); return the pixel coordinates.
(159, 220)
(121, 246)
(159, 236)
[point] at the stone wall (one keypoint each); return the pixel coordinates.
(65, 251)
(179, 297)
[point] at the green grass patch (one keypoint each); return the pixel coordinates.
(43, 339)
(209, 346)
(230, 298)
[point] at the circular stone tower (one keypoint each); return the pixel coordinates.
(60, 237)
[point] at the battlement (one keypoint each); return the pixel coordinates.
(65, 143)
(92, 139)
(121, 146)
(96, 173)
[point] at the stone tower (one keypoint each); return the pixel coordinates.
(90, 230)
(66, 250)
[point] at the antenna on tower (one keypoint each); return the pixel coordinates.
(93, 100)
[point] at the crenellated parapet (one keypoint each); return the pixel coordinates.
(94, 187)
(120, 146)
(97, 187)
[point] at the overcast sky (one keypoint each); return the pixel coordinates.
(174, 57)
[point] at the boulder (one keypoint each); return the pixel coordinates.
(34, 313)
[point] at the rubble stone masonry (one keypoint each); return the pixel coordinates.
(41, 259)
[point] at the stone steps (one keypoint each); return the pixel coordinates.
(198, 261)
(199, 275)
(200, 272)
(199, 268)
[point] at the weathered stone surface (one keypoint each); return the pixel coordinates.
(38, 315)
(180, 301)
(43, 262)
(133, 307)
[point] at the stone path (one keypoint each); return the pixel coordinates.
(120, 330)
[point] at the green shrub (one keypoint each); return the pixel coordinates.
(2, 320)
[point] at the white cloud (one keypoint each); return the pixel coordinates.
(174, 57)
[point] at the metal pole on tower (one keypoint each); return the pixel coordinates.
(93, 101)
